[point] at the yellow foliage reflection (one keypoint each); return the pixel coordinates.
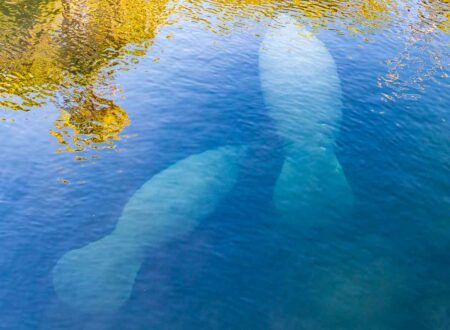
(92, 121)
(62, 48)
(356, 15)
(52, 49)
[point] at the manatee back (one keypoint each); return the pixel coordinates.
(176, 199)
(302, 93)
(300, 83)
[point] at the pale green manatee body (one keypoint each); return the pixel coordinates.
(99, 277)
(302, 92)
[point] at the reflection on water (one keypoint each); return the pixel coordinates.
(138, 86)
(421, 52)
(91, 121)
(64, 51)
(67, 52)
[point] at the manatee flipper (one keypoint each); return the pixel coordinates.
(99, 277)
(302, 92)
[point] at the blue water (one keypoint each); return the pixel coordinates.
(385, 266)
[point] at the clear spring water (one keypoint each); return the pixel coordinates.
(98, 96)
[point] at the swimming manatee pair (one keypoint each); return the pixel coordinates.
(302, 93)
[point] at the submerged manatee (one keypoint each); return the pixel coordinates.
(99, 277)
(302, 92)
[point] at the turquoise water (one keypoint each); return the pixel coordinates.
(383, 264)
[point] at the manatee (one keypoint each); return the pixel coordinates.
(99, 277)
(301, 90)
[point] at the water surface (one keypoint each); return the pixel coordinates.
(98, 96)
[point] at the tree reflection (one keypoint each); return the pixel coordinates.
(60, 50)
(91, 121)
(421, 59)
(53, 50)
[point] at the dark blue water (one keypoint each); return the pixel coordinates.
(384, 266)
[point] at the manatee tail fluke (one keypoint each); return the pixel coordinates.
(302, 92)
(99, 277)
(312, 193)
